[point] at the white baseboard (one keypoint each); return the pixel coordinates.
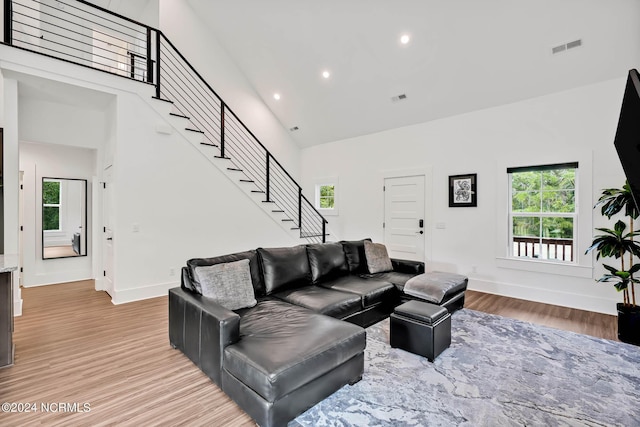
(153, 291)
(564, 299)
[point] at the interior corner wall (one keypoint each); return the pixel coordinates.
(11, 178)
(581, 119)
(171, 204)
(200, 46)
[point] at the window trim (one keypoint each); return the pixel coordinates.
(320, 182)
(584, 262)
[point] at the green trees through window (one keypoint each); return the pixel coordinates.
(327, 196)
(51, 205)
(543, 211)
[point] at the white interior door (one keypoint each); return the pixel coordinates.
(107, 235)
(404, 217)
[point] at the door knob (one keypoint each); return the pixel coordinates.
(109, 238)
(420, 232)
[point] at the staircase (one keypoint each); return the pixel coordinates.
(79, 32)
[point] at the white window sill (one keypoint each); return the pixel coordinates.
(549, 267)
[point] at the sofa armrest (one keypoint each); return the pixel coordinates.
(407, 266)
(201, 329)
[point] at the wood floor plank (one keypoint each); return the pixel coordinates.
(74, 346)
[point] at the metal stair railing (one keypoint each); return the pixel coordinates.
(82, 33)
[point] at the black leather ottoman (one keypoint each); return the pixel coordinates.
(421, 328)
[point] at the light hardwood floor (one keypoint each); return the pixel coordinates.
(74, 346)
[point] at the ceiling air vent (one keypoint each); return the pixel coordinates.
(400, 97)
(566, 46)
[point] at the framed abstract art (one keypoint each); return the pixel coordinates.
(463, 190)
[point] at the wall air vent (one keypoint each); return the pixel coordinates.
(566, 46)
(400, 97)
(575, 43)
(293, 129)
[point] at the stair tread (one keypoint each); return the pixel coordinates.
(162, 99)
(234, 169)
(257, 191)
(287, 220)
(247, 180)
(194, 130)
(220, 157)
(179, 115)
(208, 144)
(278, 211)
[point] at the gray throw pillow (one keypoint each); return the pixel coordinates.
(378, 260)
(229, 284)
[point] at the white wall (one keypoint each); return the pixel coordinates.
(59, 123)
(11, 177)
(55, 161)
(181, 205)
(200, 46)
(581, 121)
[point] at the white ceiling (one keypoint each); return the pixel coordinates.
(464, 55)
(129, 8)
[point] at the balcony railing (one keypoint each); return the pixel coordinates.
(80, 32)
(543, 248)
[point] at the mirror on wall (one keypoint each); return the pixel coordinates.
(64, 218)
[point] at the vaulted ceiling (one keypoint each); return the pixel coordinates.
(463, 55)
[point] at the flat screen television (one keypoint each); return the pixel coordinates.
(627, 140)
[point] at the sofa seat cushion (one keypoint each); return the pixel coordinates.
(370, 291)
(394, 277)
(322, 300)
(283, 347)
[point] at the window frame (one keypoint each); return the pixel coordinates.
(583, 268)
(542, 214)
(324, 182)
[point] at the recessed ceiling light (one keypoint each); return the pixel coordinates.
(326, 74)
(276, 96)
(404, 39)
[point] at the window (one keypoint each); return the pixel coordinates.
(51, 205)
(542, 212)
(326, 196)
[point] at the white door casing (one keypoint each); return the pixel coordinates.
(107, 235)
(404, 219)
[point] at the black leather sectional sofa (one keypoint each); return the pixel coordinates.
(304, 339)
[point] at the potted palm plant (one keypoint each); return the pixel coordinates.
(618, 243)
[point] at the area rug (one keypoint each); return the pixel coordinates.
(497, 372)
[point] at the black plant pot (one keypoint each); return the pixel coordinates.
(629, 324)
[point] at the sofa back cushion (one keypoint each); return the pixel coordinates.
(254, 268)
(327, 261)
(354, 251)
(284, 268)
